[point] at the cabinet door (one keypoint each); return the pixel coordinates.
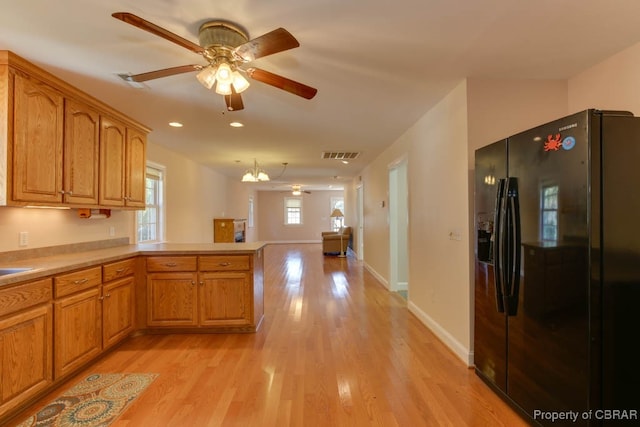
(78, 325)
(81, 153)
(136, 169)
(112, 162)
(25, 356)
(37, 142)
(171, 299)
(117, 311)
(225, 299)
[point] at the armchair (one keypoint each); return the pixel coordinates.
(336, 241)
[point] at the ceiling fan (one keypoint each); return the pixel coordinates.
(226, 48)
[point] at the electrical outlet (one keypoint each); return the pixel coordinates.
(112, 231)
(24, 238)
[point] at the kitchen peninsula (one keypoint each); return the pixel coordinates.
(65, 309)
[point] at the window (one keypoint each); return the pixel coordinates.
(292, 210)
(336, 203)
(150, 221)
(549, 213)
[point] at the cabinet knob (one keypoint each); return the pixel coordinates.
(108, 296)
(101, 298)
(201, 283)
(61, 191)
(193, 283)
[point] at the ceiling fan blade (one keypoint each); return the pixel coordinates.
(143, 77)
(234, 101)
(267, 44)
(282, 83)
(143, 24)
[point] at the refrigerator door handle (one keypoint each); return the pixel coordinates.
(513, 293)
(498, 260)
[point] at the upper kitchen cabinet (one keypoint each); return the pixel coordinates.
(37, 141)
(61, 147)
(122, 165)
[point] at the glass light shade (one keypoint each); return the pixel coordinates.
(223, 88)
(223, 73)
(207, 77)
(296, 192)
(262, 176)
(248, 177)
(240, 84)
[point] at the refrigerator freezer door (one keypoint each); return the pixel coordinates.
(490, 339)
(548, 342)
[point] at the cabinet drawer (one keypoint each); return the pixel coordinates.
(24, 296)
(172, 263)
(66, 284)
(224, 263)
(118, 269)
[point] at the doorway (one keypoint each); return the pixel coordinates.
(398, 227)
(360, 229)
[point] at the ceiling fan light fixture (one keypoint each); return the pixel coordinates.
(207, 77)
(295, 190)
(223, 88)
(223, 73)
(240, 84)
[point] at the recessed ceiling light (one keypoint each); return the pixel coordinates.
(175, 124)
(346, 162)
(236, 124)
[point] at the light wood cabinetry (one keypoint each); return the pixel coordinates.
(171, 291)
(25, 342)
(113, 136)
(90, 315)
(37, 141)
(208, 292)
(135, 171)
(122, 165)
(78, 319)
(60, 147)
(81, 153)
(118, 310)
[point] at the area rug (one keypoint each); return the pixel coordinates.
(96, 401)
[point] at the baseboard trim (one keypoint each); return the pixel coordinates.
(458, 348)
(375, 274)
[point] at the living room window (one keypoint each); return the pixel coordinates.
(150, 222)
(336, 203)
(292, 211)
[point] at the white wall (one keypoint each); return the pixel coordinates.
(613, 84)
(52, 227)
(316, 208)
(195, 194)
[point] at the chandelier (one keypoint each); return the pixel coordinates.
(255, 174)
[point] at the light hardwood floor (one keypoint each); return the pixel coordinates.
(335, 349)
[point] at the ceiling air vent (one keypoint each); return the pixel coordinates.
(339, 155)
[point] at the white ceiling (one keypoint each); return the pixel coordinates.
(378, 67)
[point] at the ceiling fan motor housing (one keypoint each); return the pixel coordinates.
(215, 34)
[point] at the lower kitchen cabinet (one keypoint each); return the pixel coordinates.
(25, 355)
(210, 292)
(117, 311)
(78, 325)
(171, 299)
(225, 298)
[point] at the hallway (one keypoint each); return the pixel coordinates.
(335, 349)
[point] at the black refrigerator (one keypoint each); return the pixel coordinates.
(557, 270)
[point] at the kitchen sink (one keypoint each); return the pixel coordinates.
(5, 271)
